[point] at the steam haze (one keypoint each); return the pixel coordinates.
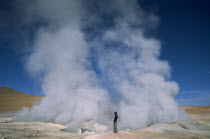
(93, 58)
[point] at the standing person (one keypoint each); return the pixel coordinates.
(115, 122)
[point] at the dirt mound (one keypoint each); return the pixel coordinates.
(199, 113)
(197, 109)
(11, 100)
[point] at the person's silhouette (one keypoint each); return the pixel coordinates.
(115, 122)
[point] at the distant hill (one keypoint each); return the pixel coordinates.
(200, 113)
(11, 100)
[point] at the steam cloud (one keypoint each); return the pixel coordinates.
(93, 58)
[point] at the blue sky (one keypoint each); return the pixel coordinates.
(184, 32)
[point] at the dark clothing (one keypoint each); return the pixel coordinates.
(115, 118)
(115, 127)
(115, 124)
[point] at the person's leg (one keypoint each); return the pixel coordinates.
(115, 127)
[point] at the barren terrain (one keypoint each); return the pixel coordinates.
(11, 101)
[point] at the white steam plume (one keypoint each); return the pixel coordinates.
(93, 59)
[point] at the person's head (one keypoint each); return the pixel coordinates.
(115, 113)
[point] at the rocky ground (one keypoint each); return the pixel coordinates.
(41, 130)
(197, 129)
